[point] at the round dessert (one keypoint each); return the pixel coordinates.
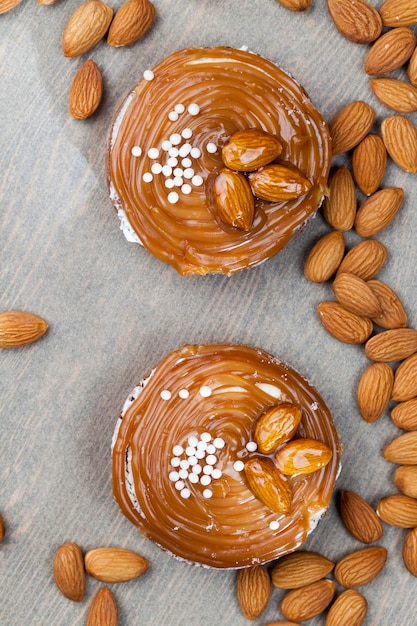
(224, 456)
(171, 139)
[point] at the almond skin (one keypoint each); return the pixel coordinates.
(356, 296)
(412, 68)
(402, 450)
(114, 565)
(339, 207)
(86, 91)
(398, 510)
(103, 610)
(325, 257)
(390, 51)
(132, 20)
(247, 150)
(369, 163)
(277, 183)
(19, 328)
(8, 5)
(342, 324)
(86, 27)
(268, 484)
(392, 345)
(359, 518)
(405, 479)
(393, 313)
(302, 456)
(378, 211)
(253, 590)
(300, 568)
(358, 21)
(349, 609)
(68, 569)
(234, 200)
(350, 125)
(404, 415)
(365, 259)
(397, 95)
(360, 567)
(409, 551)
(405, 382)
(276, 426)
(397, 13)
(308, 601)
(296, 5)
(400, 138)
(374, 391)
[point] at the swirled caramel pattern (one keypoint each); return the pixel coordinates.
(219, 390)
(234, 90)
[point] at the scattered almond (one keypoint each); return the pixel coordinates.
(393, 312)
(359, 518)
(396, 94)
(374, 391)
(247, 150)
(369, 162)
(85, 27)
(392, 345)
(268, 484)
(342, 324)
(378, 211)
(8, 5)
(398, 12)
(300, 568)
(410, 551)
(412, 68)
(402, 450)
(400, 138)
(339, 207)
(349, 609)
(296, 5)
(282, 622)
(2, 528)
(365, 259)
(358, 21)
(405, 479)
(86, 91)
(68, 569)
(325, 257)
(350, 125)
(18, 328)
(114, 565)
(361, 566)
(278, 183)
(308, 601)
(253, 590)
(302, 456)
(398, 510)
(276, 426)
(405, 382)
(390, 51)
(103, 610)
(234, 200)
(132, 20)
(404, 415)
(356, 295)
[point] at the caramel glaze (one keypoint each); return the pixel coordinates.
(232, 528)
(235, 90)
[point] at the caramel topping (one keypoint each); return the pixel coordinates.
(212, 93)
(199, 406)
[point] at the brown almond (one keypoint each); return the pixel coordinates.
(350, 125)
(8, 5)
(404, 415)
(358, 21)
(282, 623)
(268, 484)
(398, 510)
(349, 609)
(369, 163)
(412, 68)
(409, 551)
(365, 259)
(402, 450)
(86, 27)
(132, 20)
(374, 391)
(325, 257)
(2, 528)
(276, 426)
(339, 207)
(103, 610)
(390, 51)
(400, 138)
(342, 324)
(308, 601)
(86, 91)
(359, 518)
(405, 479)
(234, 200)
(396, 94)
(302, 456)
(68, 569)
(296, 5)
(361, 566)
(393, 313)
(392, 345)
(19, 328)
(378, 211)
(300, 568)
(278, 183)
(356, 296)
(397, 13)
(115, 565)
(405, 382)
(247, 150)
(253, 590)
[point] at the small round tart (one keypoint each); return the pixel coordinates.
(165, 151)
(187, 438)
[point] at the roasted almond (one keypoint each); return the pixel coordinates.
(68, 569)
(296, 5)
(398, 510)
(412, 68)
(378, 211)
(400, 138)
(103, 610)
(361, 566)
(8, 5)
(365, 259)
(85, 27)
(278, 183)
(390, 51)
(350, 125)
(300, 568)
(402, 450)
(86, 91)
(342, 324)
(349, 609)
(276, 426)
(234, 200)
(359, 518)
(302, 456)
(268, 484)
(339, 207)
(358, 21)
(405, 382)
(393, 312)
(325, 257)
(397, 13)
(253, 590)
(356, 296)
(369, 163)
(405, 479)
(247, 150)
(132, 20)
(308, 601)
(396, 94)
(404, 415)
(392, 345)
(374, 391)
(115, 565)
(2, 528)
(282, 622)
(409, 551)
(18, 328)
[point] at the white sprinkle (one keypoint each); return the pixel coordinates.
(184, 394)
(185, 149)
(165, 394)
(207, 493)
(187, 133)
(178, 171)
(136, 151)
(185, 493)
(173, 152)
(251, 446)
(238, 466)
(216, 473)
(211, 449)
(205, 391)
(211, 459)
(192, 460)
(192, 441)
(205, 480)
(190, 450)
(207, 469)
(193, 478)
(195, 153)
(186, 189)
(166, 170)
(179, 485)
(153, 153)
(178, 181)
(274, 525)
(197, 180)
(197, 469)
(184, 464)
(173, 116)
(188, 173)
(179, 108)
(175, 462)
(206, 437)
(177, 450)
(169, 183)
(193, 109)
(148, 75)
(147, 177)
(166, 145)
(219, 443)
(186, 162)
(174, 476)
(211, 147)
(183, 473)
(156, 168)
(175, 139)
(172, 162)
(200, 454)
(173, 197)
(202, 445)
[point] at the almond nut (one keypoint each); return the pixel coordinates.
(398, 12)
(378, 211)
(8, 5)
(132, 20)
(85, 27)
(359, 518)
(267, 484)
(390, 51)
(404, 415)
(405, 479)
(18, 328)
(339, 207)
(398, 510)
(296, 5)
(393, 312)
(365, 259)
(302, 456)
(253, 590)
(276, 426)
(300, 568)
(342, 324)
(234, 200)
(412, 68)
(356, 296)
(325, 257)
(115, 565)
(361, 566)
(369, 162)
(2, 528)
(308, 601)
(392, 345)
(358, 21)
(350, 125)
(278, 183)
(374, 391)
(400, 138)
(349, 609)
(402, 450)
(103, 610)
(68, 569)
(397, 95)
(247, 150)
(86, 91)
(409, 551)
(405, 382)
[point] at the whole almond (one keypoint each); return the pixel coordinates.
(86, 91)
(247, 150)
(396, 94)
(339, 207)
(282, 623)
(358, 21)
(398, 510)
(409, 551)
(365, 259)
(359, 518)
(412, 68)
(400, 138)
(393, 313)
(8, 5)
(392, 345)
(342, 324)
(405, 479)
(378, 211)
(268, 484)
(374, 391)
(405, 382)
(296, 5)
(234, 200)
(350, 125)
(253, 590)
(114, 565)
(300, 568)
(404, 415)
(68, 569)
(278, 183)
(308, 601)
(85, 27)
(369, 163)
(355, 295)
(402, 450)
(398, 12)
(349, 609)
(132, 20)
(390, 51)
(103, 610)
(361, 566)
(18, 328)
(302, 456)
(325, 257)
(2, 528)
(276, 426)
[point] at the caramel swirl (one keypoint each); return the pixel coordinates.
(216, 392)
(233, 90)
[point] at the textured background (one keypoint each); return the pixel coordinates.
(114, 311)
